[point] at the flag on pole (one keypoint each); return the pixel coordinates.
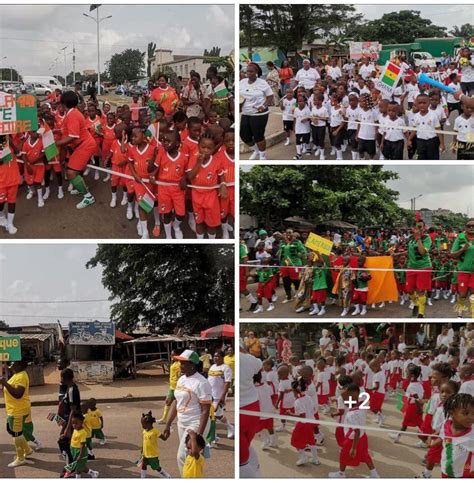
(153, 131)
(221, 90)
(146, 203)
(5, 155)
(49, 145)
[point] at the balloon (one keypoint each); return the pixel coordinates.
(424, 79)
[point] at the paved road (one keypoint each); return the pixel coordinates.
(391, 460)
(115, 459)
(440, 309)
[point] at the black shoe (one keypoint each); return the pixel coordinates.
(91, 457)
(252, 307)
(414, 312)
(419, 316)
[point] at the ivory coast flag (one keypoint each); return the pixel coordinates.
(221, 90)
(5, 155)
(47, 136)
(153, 131)
(382, 285)
(146, 203)
(391, 74)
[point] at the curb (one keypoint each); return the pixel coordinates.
(271, 141)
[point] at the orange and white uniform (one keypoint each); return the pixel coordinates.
(108, 137)
(228, 165)
(117, 158)
(94, 125)
(9, 181)
(139, 159)
(167, 98)
(189, 147)
(34, 153)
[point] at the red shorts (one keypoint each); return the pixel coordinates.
(206, 208)
(454, 288)
(130, 184)
(412, 415)
(332, 388)
(81, 155)
(274, 398)
(242, 279)
(265, 424)
(426, 425)
(319, 296)
(394, 380)
(362, 452)
(433, 455)
(419, 280)
(441, 284)
(292, 272)
(426, 389)
(8, 194)
(265, 290)
(171, 198)
(402, 287)
(323, 398)
(287, 411)
(303, 435)
(376, 401)
(405, 383)
(116, 180)
(248, 428)
(55, 165)
(37, 176)
(465, 281)
(359, 296)
(340, 436)
(140, 190)
(106, 145)
(228, 204)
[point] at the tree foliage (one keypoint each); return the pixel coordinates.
(8, 74)
(357, 194)
(126, 66)
(167, 286)
(466, 31)
(150, 53)
(455, 221)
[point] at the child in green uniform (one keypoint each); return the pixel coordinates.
(266, 284)
(401, 277)
(320, 286)
(150, 452)
(442, 271)
(291, 255)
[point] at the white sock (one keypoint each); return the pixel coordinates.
(199, 236)
(114, 196)
(40, 193)
(190, 217)
(374, 473)
(299, 148)
(255, 148)
(314, 451)
(156, 214)
(307, 147)
(229, 426)
(211, 237)
(144, 225)
(168, 230)
(130, 205)
(225, 231)
(10, 218)
(251, 299)
(301, 453)
(142, 473)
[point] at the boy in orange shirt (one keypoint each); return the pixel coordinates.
(9, 182)
(107, 132)
(226, 157)
(94, 124)
(205, 170)
(33, 157)
(118, 161)
(135, 111)
(172, 164)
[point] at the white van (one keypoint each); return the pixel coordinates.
(47, 80)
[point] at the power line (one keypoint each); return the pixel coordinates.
(52, 301)
(36, 316)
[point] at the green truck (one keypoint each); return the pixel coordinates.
(427, 51)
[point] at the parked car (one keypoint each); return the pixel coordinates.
(10, 87)
(122, 90)
(41, 89)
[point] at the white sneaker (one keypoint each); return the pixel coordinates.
(270, 307)
(287, 301)
(258, 310)
(382, 305)
(230, 434)
(274, 297)
(263, 156)
(129, 213)
(402, 300)
(266, 445)
(113, 202)
(322, 311)
(299, 310)
(47, 192)
(336, 474)
(411, 306)
(356, 311)
(344, 312)
(421, 444)
(315, 461)
(3, 221)
(316, 151)
(280, 428)
(178, 234)
(38, 445)
(333, 151)
(103, 441)
(255, 155)
(315, 311)
(70, 187)
(363, 311)
(302, 461)
(29, 195)
(395, 436)
(136, 212)
(87, 171)
(96, 175)
(139, 228)
(453, 299)
(287, 142)
(124, 200)
(40, 203)
(107, 178)
(94, 474)
(60, 193)
(16, 462)
(12, 230)
(430, 303)
(145, 235)
(74, 192)
(322, 157)
(423, 475)
(87, 201)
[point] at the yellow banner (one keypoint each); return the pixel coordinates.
(319, 244)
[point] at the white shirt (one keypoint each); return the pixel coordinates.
(319, 112)
(381, 379)
(457, 88)
(391, 131)
(254, 94)
(367, 132)
(288, 400)
(368, 378)
(271, 379)
(302, 127)
(356, 417)
(309, 363)
(366, 70)
(311, 392)
(414, 388)
(462, 448)
(353, 345)
(464, 126)
(352, 115)
(190, 393)
(323, 379)
(304, 405)
(288, 108)
(427, 123)
(334, 72)
(413, 91)
(439, 111)
(401, 347)
(426, 372)
(442, 340)
(360, 365)
(249, 366)
(307, 78)
(218, 376)
(265, 398)
(467, 387)
(336, 117)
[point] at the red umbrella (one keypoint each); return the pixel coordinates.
(225, 330)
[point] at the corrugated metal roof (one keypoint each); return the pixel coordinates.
(30, 336)
(166, 338)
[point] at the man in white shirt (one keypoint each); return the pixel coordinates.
(366, 69)
(333, 70)
(307, 76)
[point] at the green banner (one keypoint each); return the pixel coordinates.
(10, 348)
(18, 113)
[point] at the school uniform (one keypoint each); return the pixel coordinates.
(411, 410)
(356, 417)
(302, 128)
(303, 433)
(367, 133)
(336, 118)
(287, 404)
(377, 395)
(464, 127)
(266, 406)
(352, 115)
(289, 106)
(318, 127)
(393, 138)
(427, 141)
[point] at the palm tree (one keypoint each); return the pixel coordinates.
(150, 54)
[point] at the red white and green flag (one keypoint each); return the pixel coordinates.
(221, 90)
(5, 155)
(153, 131)
(388, 80)
(146, 203)
(49, 145)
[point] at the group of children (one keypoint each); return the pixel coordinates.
(358, 117)
(171, 166)
(434, 392)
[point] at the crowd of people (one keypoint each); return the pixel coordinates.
(339, 101)
(195, 402)
(346, 378)
(429, 265)
(170, 153)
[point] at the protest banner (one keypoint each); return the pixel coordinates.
(360, 50)
(18, 113)
(388, 80)
(10, 348)
(319, 244)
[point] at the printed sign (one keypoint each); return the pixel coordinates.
(91, 333)
(319, 244)
(93, 371)
(18, 113)
(10, 348)
(359, 50)
(388, 80)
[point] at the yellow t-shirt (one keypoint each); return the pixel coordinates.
(175, 373)
(93, 419)
(22, 406)
(206, 361)
(193, 468)
(150, 443)
(79, 437)
(230, 361)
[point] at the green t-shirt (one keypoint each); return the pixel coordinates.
(439, 240)
(292, 253)
(442, 271)
(466, 262)
(243, 252)
(415, 260)
(263, 276)
(319, 278)
(359, 282)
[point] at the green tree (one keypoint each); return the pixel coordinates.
(466, 31)
(213, 52)
(8, 74)
(399, 27)
(126, 66)
(456, 221)
(168, 286)
(358, 194)
(150, 53)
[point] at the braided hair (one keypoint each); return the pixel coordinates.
(148, 418)
(457, 401)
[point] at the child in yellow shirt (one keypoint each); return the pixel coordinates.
(150, 452)
(175, 373)
(94, 416)
(194, 462)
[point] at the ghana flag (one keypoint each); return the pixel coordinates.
(390, 74)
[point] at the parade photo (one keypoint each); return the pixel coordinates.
(117, 121)
(368, 241)
(343, 400)
(354, 82)
(121, 366)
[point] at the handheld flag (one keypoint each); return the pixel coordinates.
(221, 90)
(50, 148)
(146, 203)
(5, 155)
(153, 131)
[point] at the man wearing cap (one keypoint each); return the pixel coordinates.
(307, 76)
(193, 396)
(265, 239)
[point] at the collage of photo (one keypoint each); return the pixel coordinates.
(330, 243)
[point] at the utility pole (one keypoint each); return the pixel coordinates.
(73, 63)
(65, 66)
